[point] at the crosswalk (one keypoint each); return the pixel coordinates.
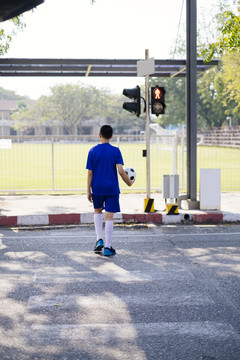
(138, 305)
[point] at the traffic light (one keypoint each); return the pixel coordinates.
(157, 100)
(134, 106)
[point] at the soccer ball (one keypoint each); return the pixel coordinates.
(131, 173)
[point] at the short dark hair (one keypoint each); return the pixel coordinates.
(106, 131)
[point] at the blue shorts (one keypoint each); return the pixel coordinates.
(108, 202)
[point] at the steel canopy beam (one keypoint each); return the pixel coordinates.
(92, 67)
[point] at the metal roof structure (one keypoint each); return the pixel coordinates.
(93, 67)
(12, 8)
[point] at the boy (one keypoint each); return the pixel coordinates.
(102, 186)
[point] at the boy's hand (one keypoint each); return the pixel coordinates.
(89, 183)
(123, 175)
(89, 196)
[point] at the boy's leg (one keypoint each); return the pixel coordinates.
(111, 207)
(108, 229)
(98, 222)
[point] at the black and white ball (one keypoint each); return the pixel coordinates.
(131, 173)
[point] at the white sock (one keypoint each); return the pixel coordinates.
(108, 233)
(98, 222)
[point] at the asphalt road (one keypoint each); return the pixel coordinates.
(170, 293)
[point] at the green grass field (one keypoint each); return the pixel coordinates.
(28, 166)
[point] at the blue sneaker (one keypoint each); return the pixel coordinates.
(109, 252)
(99, 245)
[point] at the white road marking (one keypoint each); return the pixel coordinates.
(111, 303)
(116, 235)
(116, 275)
(126, 331)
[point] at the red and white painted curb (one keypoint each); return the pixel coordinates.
(155, 218)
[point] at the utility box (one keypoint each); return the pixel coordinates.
(210, 189)
(170, 187)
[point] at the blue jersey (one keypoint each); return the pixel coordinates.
(102, 160)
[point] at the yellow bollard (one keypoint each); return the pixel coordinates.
(172, 209)
(148, 205)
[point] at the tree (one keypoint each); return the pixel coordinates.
(229, 28)
(218, 93)
(231, 80)
(8, 30)
(22, 116)
(69, 105)
(211, 110)
(9, 95)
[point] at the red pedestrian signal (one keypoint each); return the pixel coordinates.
(157, 100)
(157, 93)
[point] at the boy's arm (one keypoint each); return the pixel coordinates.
(123, 175)
(89, 183)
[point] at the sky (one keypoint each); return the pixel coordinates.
(107, 29)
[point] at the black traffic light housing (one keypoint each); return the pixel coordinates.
(157, 100)
(134, 106)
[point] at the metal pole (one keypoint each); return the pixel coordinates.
(53, 181)
(147, 132)
(174, 161)
(191, 83)
(182, 147)
(2, 123)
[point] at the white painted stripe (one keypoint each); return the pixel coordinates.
(117, 217)
(117, 235)
(109, 302)
(87, 218)
(128, 331)
(112, 272)
(171, 219)
(231, 217)
(33, 220)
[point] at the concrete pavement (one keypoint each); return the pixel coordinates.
(27, 210)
